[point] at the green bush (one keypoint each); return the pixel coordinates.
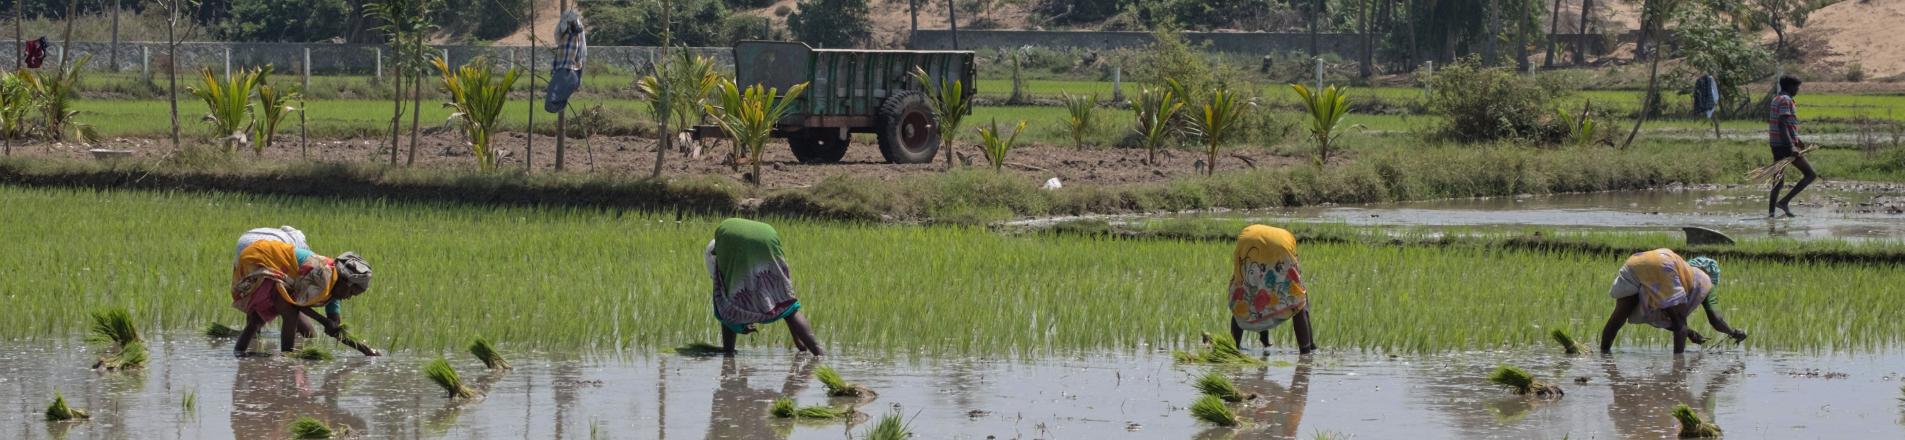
(694, 23)
(739, 27)
(830, 23)
(483, 20)
(284, 20)
(1481, 104)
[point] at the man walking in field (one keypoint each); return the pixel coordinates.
(1782, 129)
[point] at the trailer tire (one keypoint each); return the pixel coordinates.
(817, 148)
(907, 130)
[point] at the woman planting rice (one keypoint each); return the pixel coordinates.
(1659, 288)
(751, 283)
(1265, 287)
(286, 234)
(274, 275)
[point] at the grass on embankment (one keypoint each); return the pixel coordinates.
(866, 288)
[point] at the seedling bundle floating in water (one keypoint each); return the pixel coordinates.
(220, 331)
(890, 427)
(313, 354)
(439, 371)
(1213, 384)
(1523, 383)
(786, 409)
(1218, 349)
(115, 326)
(59, 412)
(1567, 342)
(1211, 409)
(1691, 425)
(838, 387)
(309, 428)
(483, 351)
(698, 349)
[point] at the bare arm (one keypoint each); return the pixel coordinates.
(335, 331)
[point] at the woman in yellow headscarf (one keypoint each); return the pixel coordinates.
(1266, 288)
(1660, 289)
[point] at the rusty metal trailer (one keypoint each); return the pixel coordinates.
(853, 91)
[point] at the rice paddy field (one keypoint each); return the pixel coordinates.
(963, 332)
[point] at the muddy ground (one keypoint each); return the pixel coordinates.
(635, 156)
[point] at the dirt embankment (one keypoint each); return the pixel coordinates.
(635, 157)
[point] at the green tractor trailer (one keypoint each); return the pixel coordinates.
(851, 91)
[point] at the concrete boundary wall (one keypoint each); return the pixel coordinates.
(1346, 45)
(329, 59)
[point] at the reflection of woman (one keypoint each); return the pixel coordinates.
(1278, 410)
(1266, 288)
(1642, 405)
(740, 411)
(269, 393)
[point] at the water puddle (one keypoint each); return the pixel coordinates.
(1138, 395)
(1832, 210)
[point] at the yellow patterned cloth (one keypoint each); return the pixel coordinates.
(1662, 280)
(276, 264)
(1266, 288)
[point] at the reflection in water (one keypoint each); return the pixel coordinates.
(740, 411)
(271, 392)
(1278, 410)
(1642, 404)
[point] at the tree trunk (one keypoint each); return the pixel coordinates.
(66, 45)
(396, 97)
(19, 38)
(1640, 43)
(1580, 47)
(1369, 41)
(171, 68)
(113, 58)
(952, 20)
(1554, 25)
(1316, 8)
(416, 101)
(562, 117)
(1521, 45)
(1494, 31)
(529, 131)
(913, 9)
(667, 139)
(1653, 76)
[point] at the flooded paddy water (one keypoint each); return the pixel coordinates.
(1131, 395)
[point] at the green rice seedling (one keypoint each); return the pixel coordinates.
(313, 354)
(1218, 349)
(189, 402)
(115, 326)
(698, 349)
(1691, 425)
(217, 330)
(1522, 383)
(785, 408)
(890, 427)
(130, 356)
(439, 371)
(1567, 342)
(1213, 384)
(1210, 409)
(838, 387)
(483, 351)
(309, 428)
(59, 412)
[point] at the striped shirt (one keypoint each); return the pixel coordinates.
(574, 47)
(1782, 119)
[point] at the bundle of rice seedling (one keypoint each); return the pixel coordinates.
(890, 427)
(1777, 169)
(130, 356)
(838, 387)
(1567, 342)
(313, 354)
(1210, 409)
(786, 409)
(1522, 383)
(483, 351)
(59, 412)
(309, 428)
(1213, 384)
(1691, 426)
(217, 330)
(698, 349)
(1218, 349)
(115, 326)
(439, 371)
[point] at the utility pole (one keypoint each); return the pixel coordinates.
(1554, 21)
(529, 133)
(113, 59)
(952, 17)
(562, 117)
(913, 8)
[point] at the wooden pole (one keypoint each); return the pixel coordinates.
(529, 132)
(562, 117)
(1554, 25)
(952, 18)
(113, 59)
(304, 133)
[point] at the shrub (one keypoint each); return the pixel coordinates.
(1482, 104)
(830, 23)
(693, 23)
(739, 27)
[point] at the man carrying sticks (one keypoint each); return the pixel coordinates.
(1782, 129)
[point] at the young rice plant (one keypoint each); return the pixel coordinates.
(439, 371)
(60, 412)
(1691, 425)
(485, 352)
(1214, 384)
(308, 428)
(785, 408)
(1210, 409)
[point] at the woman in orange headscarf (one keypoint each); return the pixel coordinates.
(1266, 288)
(273, 278)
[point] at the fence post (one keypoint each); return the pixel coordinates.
(380, 63)
(1319, 74)
(446, 57)
(1117, 83)
(228, 61)
(145, 62)
(307, 68)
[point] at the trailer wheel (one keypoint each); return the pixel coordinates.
(819, 148)
(908, 131)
